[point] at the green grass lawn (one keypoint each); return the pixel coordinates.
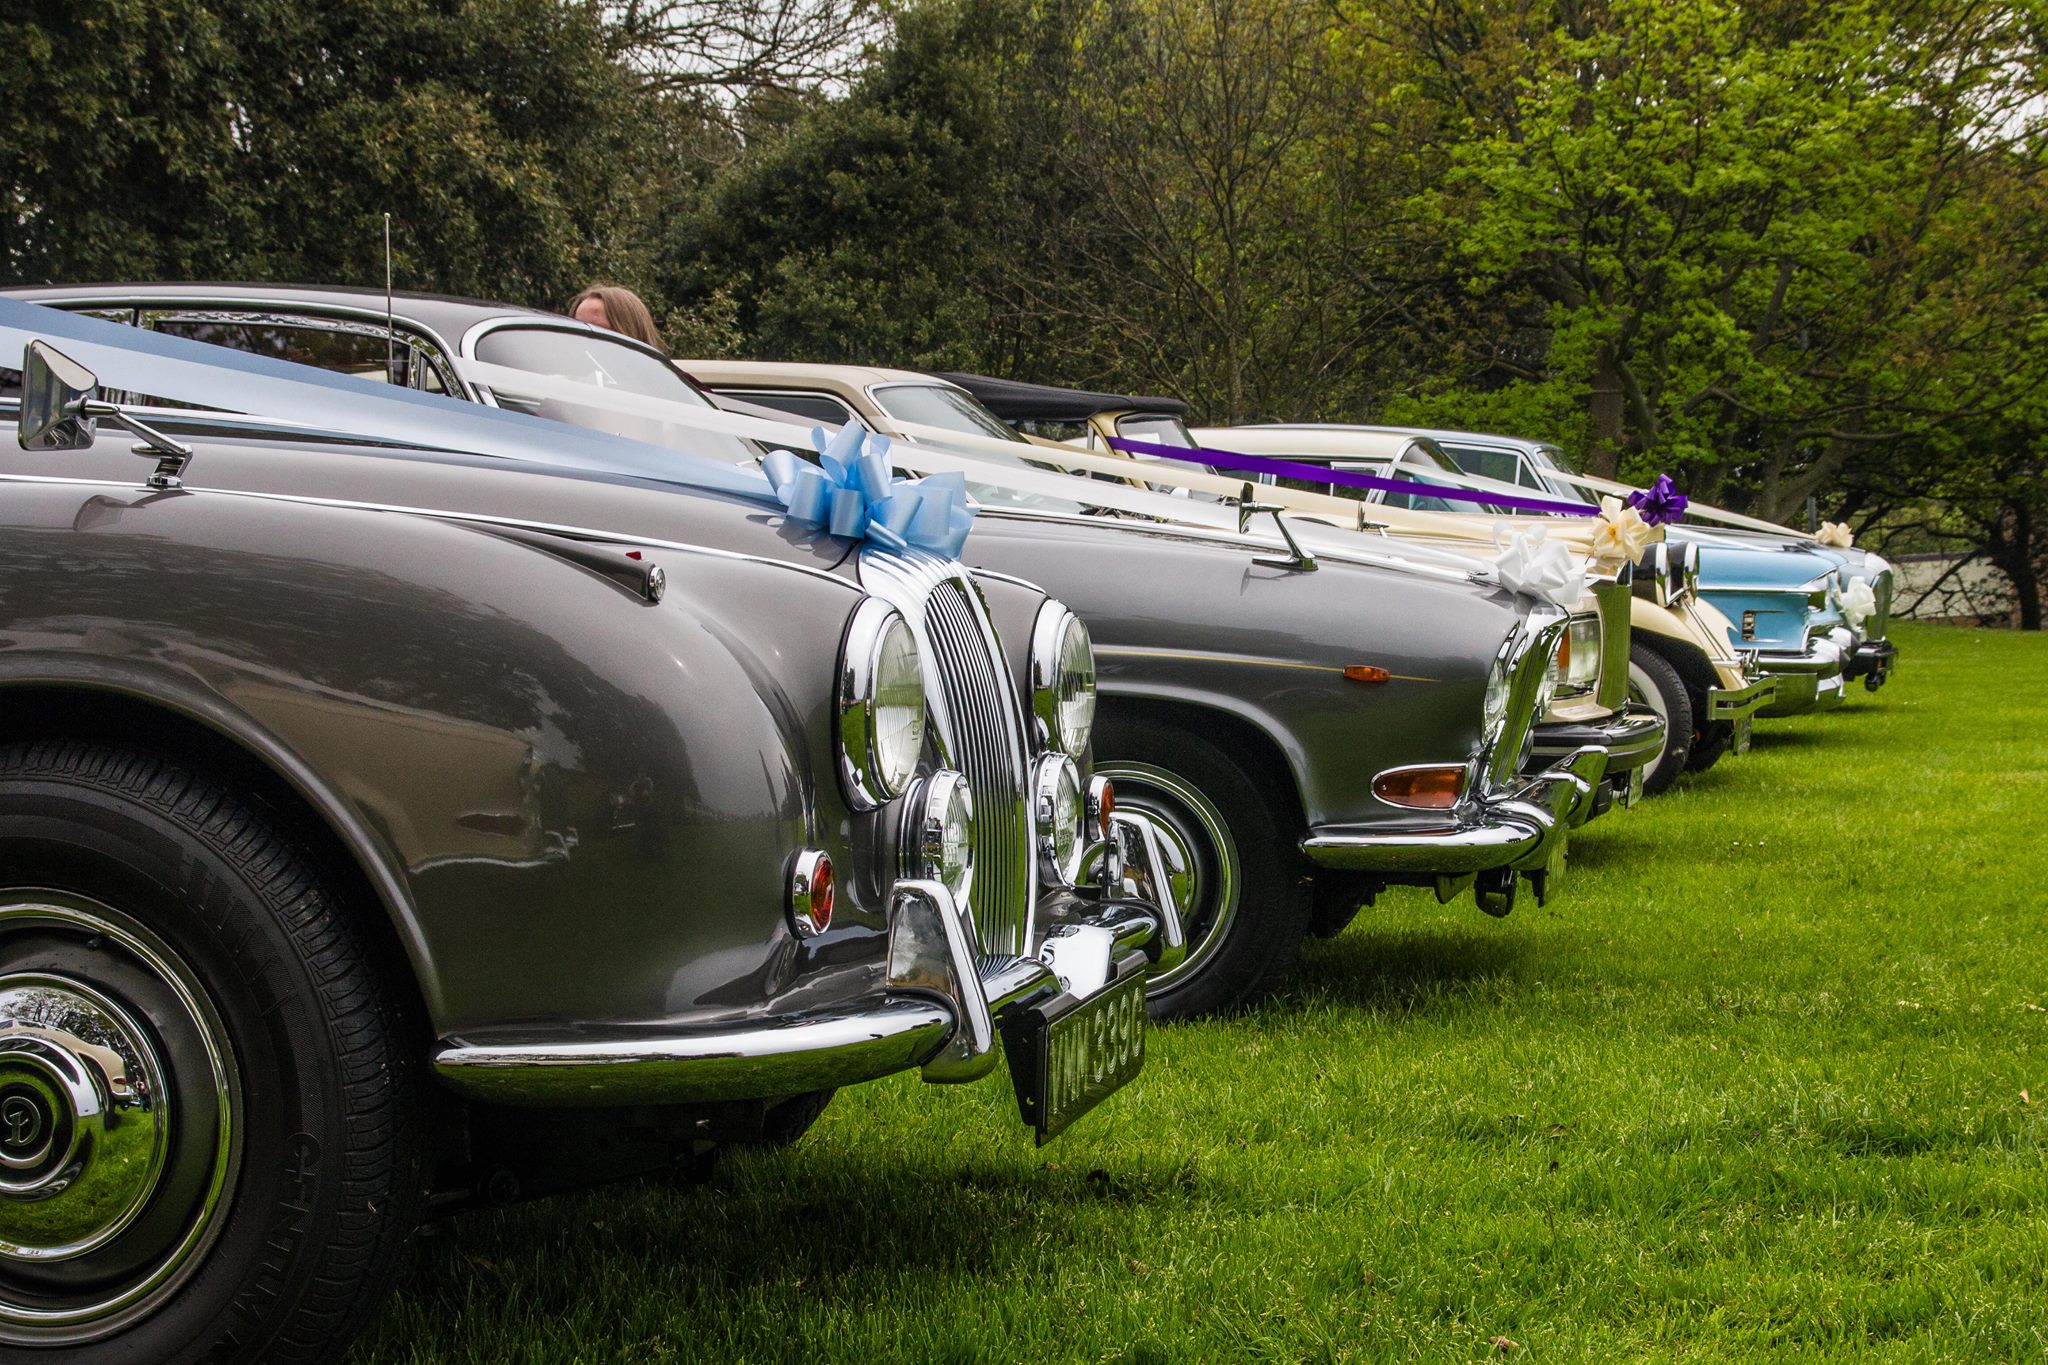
(1755, 1084)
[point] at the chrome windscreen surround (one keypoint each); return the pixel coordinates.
(1526, 652)
(977, 719)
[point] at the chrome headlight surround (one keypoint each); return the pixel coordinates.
(1062, 680)
(1059, 803)
(1585, 638)
(1518, 689)
(938, 834)
(881, 705)
(1669, 572)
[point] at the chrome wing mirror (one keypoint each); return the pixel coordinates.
(1299, 560)
(61, 407)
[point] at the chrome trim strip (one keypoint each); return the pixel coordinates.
(440, 514)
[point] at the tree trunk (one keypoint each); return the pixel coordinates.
(1608, 411)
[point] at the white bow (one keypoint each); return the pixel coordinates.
(1529, 563)
(1836, 534)
(1857, 602)
(1620, 533)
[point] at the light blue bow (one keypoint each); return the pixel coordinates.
(849, 493)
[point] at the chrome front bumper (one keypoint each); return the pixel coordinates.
(939, 1009)
(1812, 681)
(1522, 830)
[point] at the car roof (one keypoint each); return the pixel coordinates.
(1367, 443)
(1438, 434)
(1015, 401)
(719, 374)
(449, 315)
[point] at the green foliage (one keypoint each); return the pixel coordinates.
(862, 232)
(265, 140)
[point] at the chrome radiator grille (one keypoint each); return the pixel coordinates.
(983, 738)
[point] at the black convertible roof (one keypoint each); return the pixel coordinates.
(1017, 402)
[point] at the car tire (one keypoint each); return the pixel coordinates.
(175, 945)
(1238, 874)
(1653, 682)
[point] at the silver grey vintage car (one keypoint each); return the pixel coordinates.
(407, 802)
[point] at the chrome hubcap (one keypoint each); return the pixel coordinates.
(82, 1127)
(1192, 839)
(118, 1097)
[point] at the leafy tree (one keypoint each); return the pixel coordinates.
(1755, 239)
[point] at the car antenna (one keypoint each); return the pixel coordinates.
(390, 327)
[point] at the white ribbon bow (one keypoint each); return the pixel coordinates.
(1620, 533)
(1531, 564)
(1857, 602)
(1835, 534)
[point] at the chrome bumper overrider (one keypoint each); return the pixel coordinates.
(1630, 738)
(939, 1009)
(1741, 703)
(1522, 830)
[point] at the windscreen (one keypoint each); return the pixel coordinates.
(934, 405)
(589, 358)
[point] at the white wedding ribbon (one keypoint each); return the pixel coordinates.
(937, 450)
(1531, 564)
(1835, 534)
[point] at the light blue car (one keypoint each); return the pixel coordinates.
(1814, 616)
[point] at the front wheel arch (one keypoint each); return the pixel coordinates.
(133, 719)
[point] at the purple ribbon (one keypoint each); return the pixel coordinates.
(1317, 473)
(1661, 504)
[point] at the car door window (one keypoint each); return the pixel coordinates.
(808, 407)
(359, 350)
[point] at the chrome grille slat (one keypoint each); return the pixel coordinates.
(975, 699)
(978, 718)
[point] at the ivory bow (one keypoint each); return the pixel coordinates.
(1836, 534)
(1620, 533)
(1529, 563)
(849, 493)
(1857, 602)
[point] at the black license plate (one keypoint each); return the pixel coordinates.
(1066, 1060)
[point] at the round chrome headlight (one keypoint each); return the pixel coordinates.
(1059, 799)
(938, 834)
(1062, 680)
(881, 706)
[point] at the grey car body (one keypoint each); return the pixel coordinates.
(567, 738)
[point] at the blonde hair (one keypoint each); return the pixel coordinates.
(623, 312)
